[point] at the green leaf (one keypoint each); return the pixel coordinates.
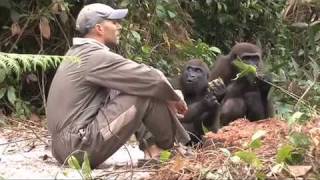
(284, 153)
(165, 156)
(136, 36)
(250, 158)
(244, 69)
(204, 128)
(256, 139)
(299, 140)
(171, 14)
(296, 116)
(11, 94)
(161, 12)
(261, 176)
(74, 163)
(86, 169)
(2, 92)
(258, 135)
(3, 75)
(255, 144)
(215, 49)
(146, 49)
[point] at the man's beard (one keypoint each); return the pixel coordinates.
(112, 45)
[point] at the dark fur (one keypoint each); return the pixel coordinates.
(247, 96)
(203, 107)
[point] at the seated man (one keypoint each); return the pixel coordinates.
(82, 115)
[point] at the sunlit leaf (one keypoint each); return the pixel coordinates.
(204, 128)
(3, 75)
(2, 92)
(11, 94)
(74, 163)
(258, 135)
(165, 156)
(250, 158)
(136, 36)
(86, 169)
(215, 49)
(295, 117)
(244, 69)
(171, 14)
(255, 144)
(284, 153)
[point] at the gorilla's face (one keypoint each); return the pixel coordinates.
(194, 79)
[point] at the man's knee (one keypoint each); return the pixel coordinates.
(166, 142)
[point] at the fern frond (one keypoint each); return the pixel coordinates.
(21, 63)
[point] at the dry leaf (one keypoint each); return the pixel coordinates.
(166, 39)
(297, 171)
(44, 27)
(178, 164)
(55, 8)
(15, 29)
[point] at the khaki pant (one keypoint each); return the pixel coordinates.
(115, 122)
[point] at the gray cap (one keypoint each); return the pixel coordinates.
(92, 14)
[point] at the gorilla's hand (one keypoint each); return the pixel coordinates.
(210, 100)
(217, 87)
(264, 83)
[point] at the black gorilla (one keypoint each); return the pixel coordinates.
(203, 105)
(246, 96)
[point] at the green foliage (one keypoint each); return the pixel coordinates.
(165, 34)
(23, 63)
(158, 33)
(13, 66)
(284, 153)
(256, 139)
(294, 152)
(224, 22)
(249, 156)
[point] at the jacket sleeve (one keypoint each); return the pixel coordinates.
(114, 71)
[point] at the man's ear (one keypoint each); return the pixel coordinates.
(99, 29)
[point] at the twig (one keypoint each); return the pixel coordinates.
(42, 90)
(305, 92)
(294, 96)
(37, 136)
(61, 29)
(12, 142)
(125, 171)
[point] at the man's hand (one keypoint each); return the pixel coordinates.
(178, 107)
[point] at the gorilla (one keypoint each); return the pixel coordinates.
(203, 102)
(246, 96)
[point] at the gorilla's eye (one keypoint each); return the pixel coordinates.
(250, 58)
(198, 70)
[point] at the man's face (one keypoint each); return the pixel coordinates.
(109, 30)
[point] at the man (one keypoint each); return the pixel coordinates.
(82, 113)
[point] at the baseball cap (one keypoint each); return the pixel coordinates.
(92, 14)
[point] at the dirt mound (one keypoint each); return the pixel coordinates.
(240, 132)
(215, 159)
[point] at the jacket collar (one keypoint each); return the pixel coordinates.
(80, 41)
